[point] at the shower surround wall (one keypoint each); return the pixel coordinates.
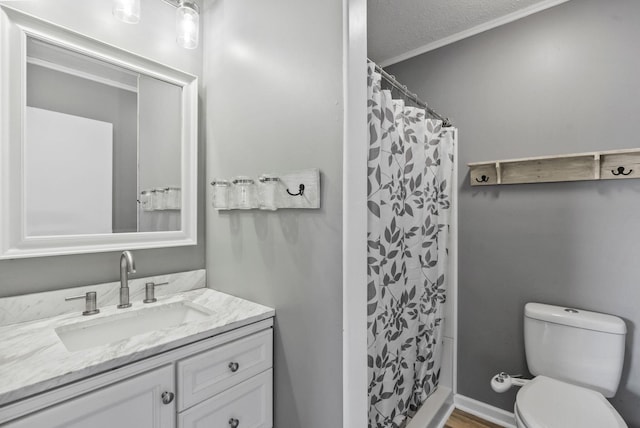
(152, 37)
(273, 79)
(561, 81)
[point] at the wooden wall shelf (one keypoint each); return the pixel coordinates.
(608, 165)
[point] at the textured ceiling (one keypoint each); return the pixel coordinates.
(396, 27)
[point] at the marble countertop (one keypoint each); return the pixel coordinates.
(33, 359)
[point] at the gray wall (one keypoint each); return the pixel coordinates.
(159, 151)
(273, 77)
(153, 37)
(564, 80)
(50, 89)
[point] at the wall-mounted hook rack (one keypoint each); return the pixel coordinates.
(275, 191)
(607, 165)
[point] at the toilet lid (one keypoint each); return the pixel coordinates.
(550, 403)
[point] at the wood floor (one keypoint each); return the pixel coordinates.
(460, 419)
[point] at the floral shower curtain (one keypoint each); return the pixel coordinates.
(409, 199)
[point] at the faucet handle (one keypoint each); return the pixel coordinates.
(91, 302)
(149, 291)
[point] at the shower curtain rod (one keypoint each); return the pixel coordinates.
(413, 97)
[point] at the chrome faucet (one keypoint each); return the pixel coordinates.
(127, 266)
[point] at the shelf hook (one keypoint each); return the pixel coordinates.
(483, 179)
(300, 191)
(621, 171)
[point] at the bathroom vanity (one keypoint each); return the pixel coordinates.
(212, 367)
(78, 178)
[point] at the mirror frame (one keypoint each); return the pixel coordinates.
(15, 28)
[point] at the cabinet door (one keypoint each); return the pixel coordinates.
(133, 403)
(247, 405)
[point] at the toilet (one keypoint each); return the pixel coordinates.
(577, 358)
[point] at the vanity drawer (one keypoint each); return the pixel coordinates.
(247, 405)
(211, 372)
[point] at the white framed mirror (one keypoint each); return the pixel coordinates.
(98, 146)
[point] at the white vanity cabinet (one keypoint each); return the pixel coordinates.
(223, 381)
(136, 402)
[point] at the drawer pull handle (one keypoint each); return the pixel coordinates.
(167, 397)
(234, 367)
(234, 423)
(621, 171)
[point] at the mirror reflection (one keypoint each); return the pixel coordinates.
(102, 147)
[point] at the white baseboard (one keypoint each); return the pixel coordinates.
(485, 411)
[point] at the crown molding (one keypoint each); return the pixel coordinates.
(514, 16)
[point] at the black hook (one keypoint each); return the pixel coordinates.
(483, 179)
(300, 191)
(621, 171)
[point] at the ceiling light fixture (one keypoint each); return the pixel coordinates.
(187, 18)
(127, 11)
(188, 24)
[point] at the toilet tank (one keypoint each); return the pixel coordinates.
(580, 347)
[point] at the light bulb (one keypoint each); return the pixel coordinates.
(127, 10)
(188, 24)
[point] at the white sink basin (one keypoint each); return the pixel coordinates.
(89, 334)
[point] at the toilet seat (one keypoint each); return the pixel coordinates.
(550, 403)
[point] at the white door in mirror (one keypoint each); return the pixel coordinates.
(59, 186)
